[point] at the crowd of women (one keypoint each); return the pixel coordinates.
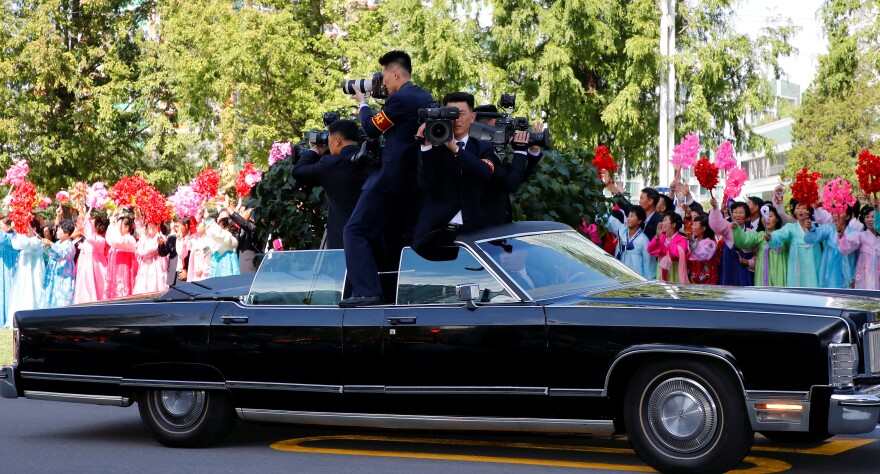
(750, 243)
(86, 258)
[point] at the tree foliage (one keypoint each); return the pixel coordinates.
(838, 117)
(97, 89)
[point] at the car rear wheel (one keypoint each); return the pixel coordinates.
(796, 437)
(687, 416)
(186, 418)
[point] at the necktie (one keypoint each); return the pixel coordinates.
(460, 145)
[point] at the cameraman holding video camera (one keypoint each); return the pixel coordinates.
(453, 168)
(387, 189)
(337, 173)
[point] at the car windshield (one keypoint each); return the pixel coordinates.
(302, 277)
(557, 263)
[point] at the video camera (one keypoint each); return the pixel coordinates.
(438, 123)
(322, 137)
(506, 127)
(372, 87)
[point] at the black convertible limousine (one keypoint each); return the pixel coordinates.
(522, 327)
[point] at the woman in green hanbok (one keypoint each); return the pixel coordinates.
(803, 258)
(771, 263)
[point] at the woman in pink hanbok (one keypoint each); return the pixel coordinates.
(152, 273)
(867, 242)
(121, 261)
(91, 267)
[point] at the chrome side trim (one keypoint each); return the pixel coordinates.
(290, 387)
(368, 420)
(115, 401)
(776, 395)
(466, 390)
(170, 384)
(670, 351)
(363, 389)
(705, 310)
(576, 392)
(70, 377)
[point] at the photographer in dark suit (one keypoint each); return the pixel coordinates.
(341, 180)
(387, 187)
(508, 177)
(452, 176)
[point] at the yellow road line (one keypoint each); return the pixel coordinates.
(761, 465)
(830, 448)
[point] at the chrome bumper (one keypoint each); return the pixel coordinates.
(7, 383)
(854, 412)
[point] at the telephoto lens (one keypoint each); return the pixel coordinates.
(365, 86)
(372, 87)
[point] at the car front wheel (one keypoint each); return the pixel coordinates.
(687, 416)
(186, 418)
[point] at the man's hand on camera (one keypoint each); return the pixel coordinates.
(453, 147)
(520, 141)
(537, 127)
(359, 97)
(320, 150)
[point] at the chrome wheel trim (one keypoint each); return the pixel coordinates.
(179, 409)
(682, 415)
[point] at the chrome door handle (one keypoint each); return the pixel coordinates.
(234, 319)
(396, 320)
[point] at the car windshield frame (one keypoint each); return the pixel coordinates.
(591, 257)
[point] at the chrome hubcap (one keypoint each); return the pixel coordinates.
(178, 403)
(682, 415)
(179, 408)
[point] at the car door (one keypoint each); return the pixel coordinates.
(286, 335)
(435, 345)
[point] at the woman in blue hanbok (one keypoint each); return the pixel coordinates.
(632, 247)
(8, 259)
(61, 272)
(833, 272)
(224, 260)
(30, 275)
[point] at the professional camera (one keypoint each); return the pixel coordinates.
(369, 154)
(438, 123)
(329, 118)
(507, 101)
(318, 138)
(372, 87)
(505, 130)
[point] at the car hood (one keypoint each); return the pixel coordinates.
(655, 293)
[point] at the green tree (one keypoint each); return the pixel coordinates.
(592, 69)
(71, 103)
(838, 117)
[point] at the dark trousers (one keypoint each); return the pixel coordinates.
(371, 215)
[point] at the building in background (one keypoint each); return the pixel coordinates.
(775, 124)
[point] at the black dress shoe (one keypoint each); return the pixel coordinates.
(356, 301)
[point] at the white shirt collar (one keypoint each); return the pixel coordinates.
(464, 139)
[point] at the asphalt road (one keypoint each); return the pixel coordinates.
(59, 437)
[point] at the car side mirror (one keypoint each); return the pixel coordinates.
(468, 293)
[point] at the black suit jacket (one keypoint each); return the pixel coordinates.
(169, 249)
(342, 184)
(453, 183)
(398, 121)
(508, 177)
